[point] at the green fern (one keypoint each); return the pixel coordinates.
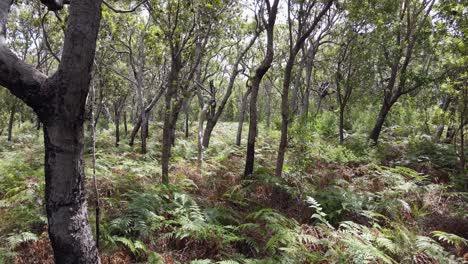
(450, 238)
(17, 239)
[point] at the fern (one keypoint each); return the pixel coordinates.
(17, 239)
(450, 238)
(319, 214)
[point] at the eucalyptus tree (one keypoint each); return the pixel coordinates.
(59, 101)
(131, 36)
(267, 12)
(304, 14)
(353, 61)
(400, 45)
(217, 109)
(186, 28)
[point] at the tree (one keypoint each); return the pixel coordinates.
(405, 31)
(271, 10)
(59, 101)
(303, 31)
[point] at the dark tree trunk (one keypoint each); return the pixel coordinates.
(135, 130)
(210, 124)
(60, 101)
(117, 130)
(375, 134)
(170, 117)
(260, 71)
(11, 121)
(186, 124)
(69, 231)
(143, 131)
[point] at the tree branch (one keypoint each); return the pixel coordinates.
(116, 10)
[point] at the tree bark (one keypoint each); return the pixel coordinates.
(375, 134)
(11, 121)
(242, 111)
(125, 123)
(59, 102)
(67, 215)
(117, 130)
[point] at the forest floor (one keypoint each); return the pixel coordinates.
(399, 202)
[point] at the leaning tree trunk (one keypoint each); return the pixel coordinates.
(136, 128)
(375, 134)
(11, 120)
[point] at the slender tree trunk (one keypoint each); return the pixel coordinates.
(125, 123)
(186, 125)
(10, 122)
(284, 116)
(242, 116)
(260, 71)
(135, 130)
(200, 134)
(117, 130)
(143, 131)
(341, 123)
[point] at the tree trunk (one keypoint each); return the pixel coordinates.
(170, 120)
(375, 134)
(186, 124)
(135, 130)
(11, 121)
(69, 231)
(117, 130)
(60, 102)
(260, 71)
(242, 116)
(125, 123)
(210, 124)
(341, 123)
(143, 131)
